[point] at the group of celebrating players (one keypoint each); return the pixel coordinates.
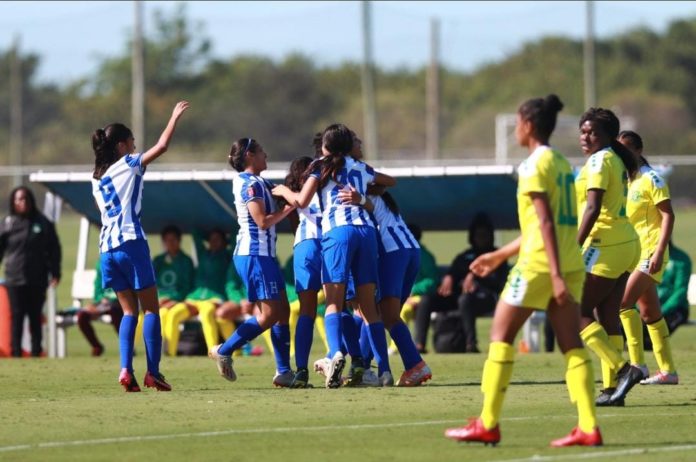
(591, 247)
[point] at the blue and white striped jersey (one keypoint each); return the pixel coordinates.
(310, 221)
(252, 240)
(119, 195)
(393, 232)
(334, 213)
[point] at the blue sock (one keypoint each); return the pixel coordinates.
(407, 349)
(365, 346)
(247, 332)
(280, 336)
(304, 334)
(350, 335)
(358, 321)
(332, 322)
(378, 341)
(126, 338)
(152, 333)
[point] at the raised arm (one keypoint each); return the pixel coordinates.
(166, 136)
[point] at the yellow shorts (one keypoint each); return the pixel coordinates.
(531, 289)
(644, 263)
(613, 260)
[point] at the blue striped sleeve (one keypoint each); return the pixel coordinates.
(134, 161)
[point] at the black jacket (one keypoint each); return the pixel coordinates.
(31, 250)
(459, 269)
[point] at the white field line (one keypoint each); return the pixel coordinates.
(138, 438)
(591, 454)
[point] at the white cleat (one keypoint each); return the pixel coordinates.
(321, 366)
(333, 373)
(662, 378)
(224, 363)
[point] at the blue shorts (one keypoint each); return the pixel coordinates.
(127, 267)
(349, 249)
(307, 265)
(261, 275)
(397, 273)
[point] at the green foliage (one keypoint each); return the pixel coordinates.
(641, 73)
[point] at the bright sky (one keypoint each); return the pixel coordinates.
(71, 36)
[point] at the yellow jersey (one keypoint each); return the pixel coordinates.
(644, 193)
(547, 171)
(605, 170)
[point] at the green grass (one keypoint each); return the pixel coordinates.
(73, 410)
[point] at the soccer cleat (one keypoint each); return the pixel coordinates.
(156, 381)
(356, 373)
(370, 379)
(579, 438)
(333, 373)
(475, 432)
(283, 380)
(127, 380)
(386, 379)
(627, 377)
(661, 378)
(321, 366)
(644, 369)
(417, 375)
(224, 363)
(301, 379)
(98, 350)
(604, 398)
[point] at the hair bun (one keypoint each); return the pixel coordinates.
(553, 103)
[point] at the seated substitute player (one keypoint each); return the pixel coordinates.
(208, 292)
(174, 272)
(673, 291)
(549, 276)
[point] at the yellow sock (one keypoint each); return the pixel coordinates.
(659, 335)
(139, 330)
(206, 314)
(267, 337)
(294, 316)
(633, 326)
(163, 319)
(609, 374)
(580, 382)
(226, 327)
(321, 328)
(177, 314)
(496, 377)
(597, 340)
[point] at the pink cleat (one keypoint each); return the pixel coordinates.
(128, 382)
(156, 381)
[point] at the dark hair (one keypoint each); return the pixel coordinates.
(31, 201)
(238, 150)
(296, 176)
(480, 220)
(219, 231)
(390, 202)
(609, 124)
(415, 230)
(635, 140)
(337, 139)
(316, 143)
(542, 113)
(104, 142)
(171, 229)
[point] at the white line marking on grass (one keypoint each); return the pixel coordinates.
(138, 438)
(596, 455)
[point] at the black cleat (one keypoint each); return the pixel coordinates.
(604, 398)
(627, 377)
(301, 379)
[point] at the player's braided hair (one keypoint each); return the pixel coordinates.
(104, 142)
(607, 122)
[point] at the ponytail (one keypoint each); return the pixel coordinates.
(104, 144)
(627, 158)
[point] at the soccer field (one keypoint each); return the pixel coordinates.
(73, 409)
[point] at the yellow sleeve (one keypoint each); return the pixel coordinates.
(598, 171)
(533, 175)
(658, 189)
